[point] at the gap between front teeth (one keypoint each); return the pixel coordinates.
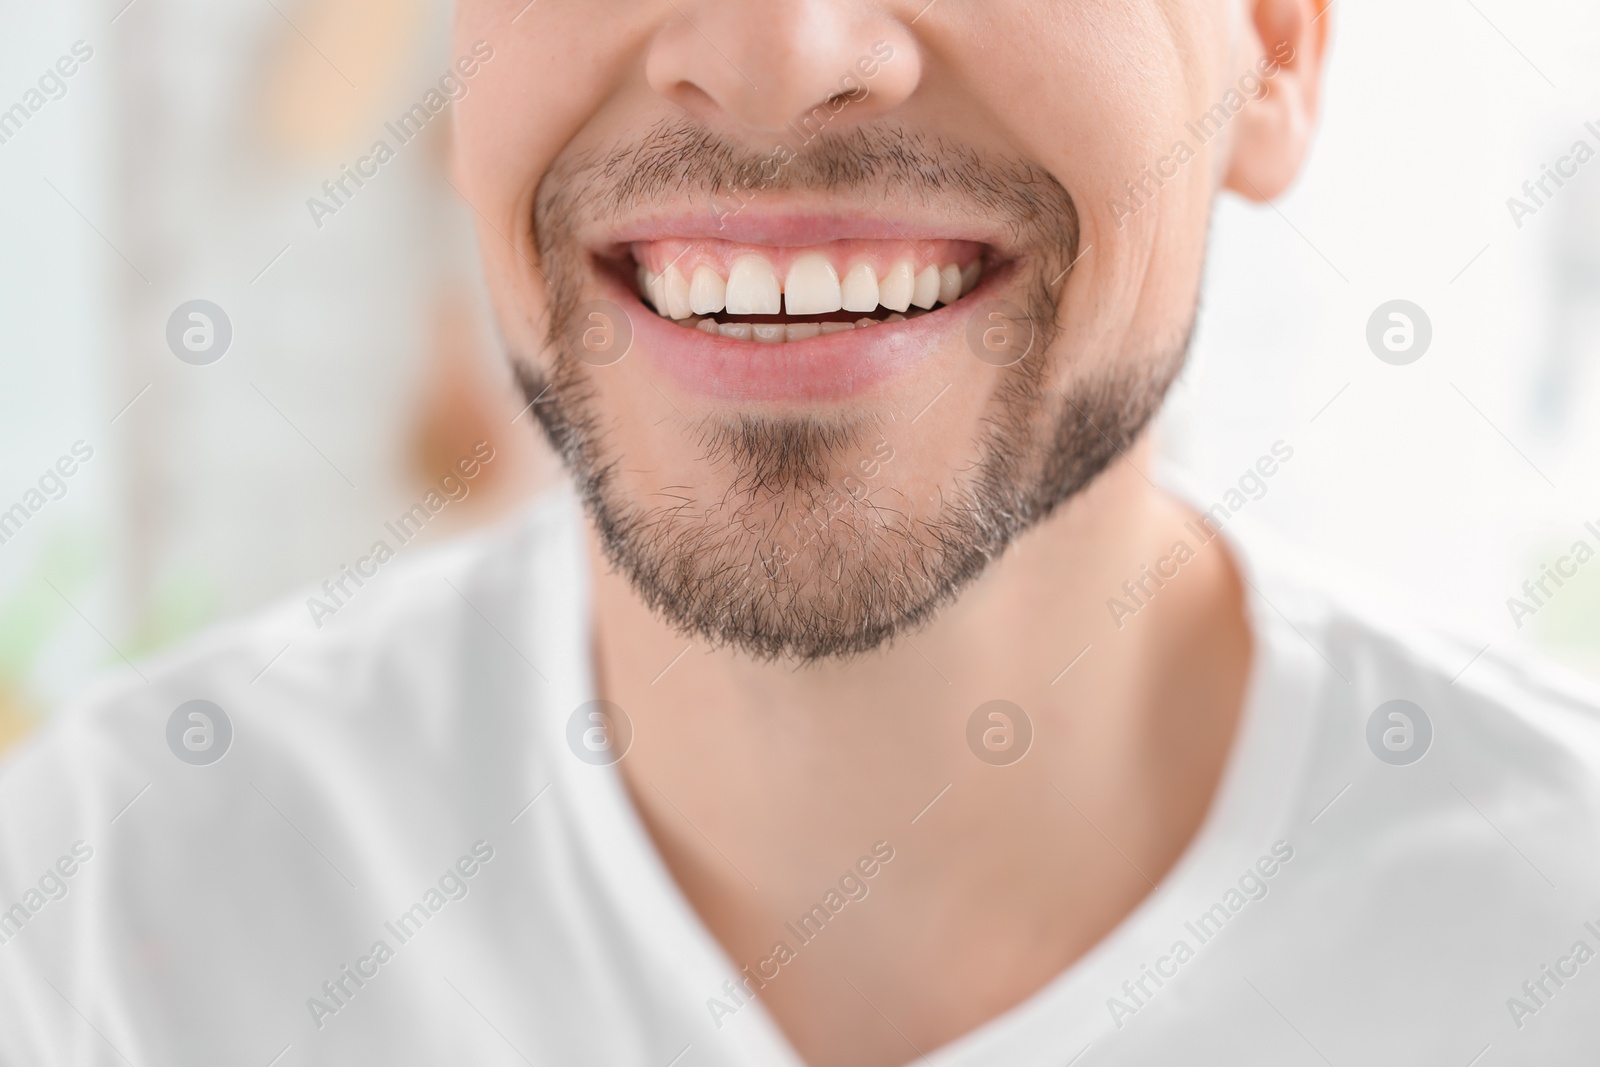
(811, 287)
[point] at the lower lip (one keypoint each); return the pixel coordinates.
(836, 366)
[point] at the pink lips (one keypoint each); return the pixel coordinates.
(831, 367)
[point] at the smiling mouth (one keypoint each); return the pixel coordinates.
(774, 295)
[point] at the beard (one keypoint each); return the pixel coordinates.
(752, 566)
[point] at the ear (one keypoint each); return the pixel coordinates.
(1284, 46)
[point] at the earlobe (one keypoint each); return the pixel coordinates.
(1286, 42)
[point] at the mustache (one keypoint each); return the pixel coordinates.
(867, 163)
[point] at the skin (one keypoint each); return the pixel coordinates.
(794, 771)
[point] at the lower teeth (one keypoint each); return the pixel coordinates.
(778, 332)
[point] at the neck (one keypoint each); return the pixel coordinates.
(758, 774)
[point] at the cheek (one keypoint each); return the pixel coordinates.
(1100, 112)
(551, 72)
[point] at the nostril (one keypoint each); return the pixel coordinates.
(693, 99)
(751, 68)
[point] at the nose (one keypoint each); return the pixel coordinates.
(749, 67)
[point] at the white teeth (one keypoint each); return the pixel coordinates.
(859, 291)
(753, 287)
(969, 276)
(894, 291)
(654, 289)
(949, 284)
(707, 291)
(768, 333)
(811, 287)
(677, 292)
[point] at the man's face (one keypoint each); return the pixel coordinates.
(893, 280)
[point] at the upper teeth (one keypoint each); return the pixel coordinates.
(707, 291)
(812, 286)
(752, 287)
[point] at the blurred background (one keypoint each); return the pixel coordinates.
(175, 162)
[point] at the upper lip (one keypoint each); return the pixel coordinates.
(759, 224)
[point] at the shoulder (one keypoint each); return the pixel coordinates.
(1420, 780)
(1466, 717)
(386, 672)
(311, 778)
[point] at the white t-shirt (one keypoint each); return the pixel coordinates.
(399, 859)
